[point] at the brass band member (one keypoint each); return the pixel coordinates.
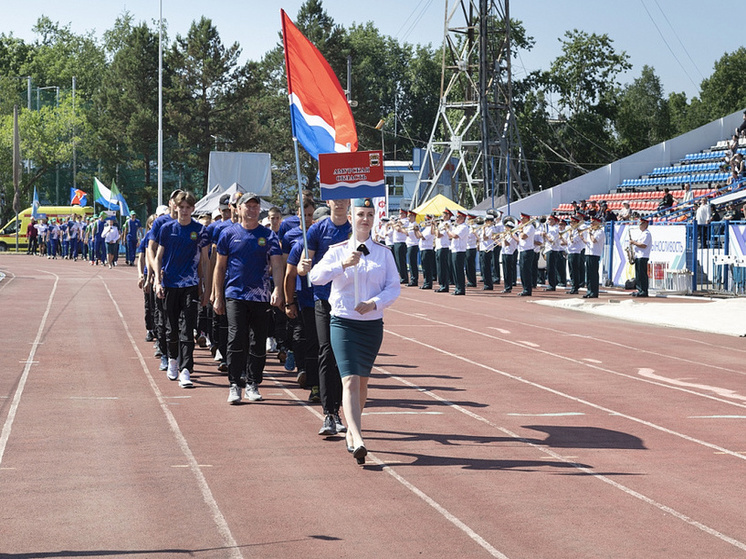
(427, 252)
(471, 252)
(575, 248)
(509, 248)
(443, 252)
(400, 245)
(594, 247)
(487, 246)
(526, 254)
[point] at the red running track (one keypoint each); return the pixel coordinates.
(496, 428)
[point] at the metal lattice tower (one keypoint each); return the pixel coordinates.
(475, 134)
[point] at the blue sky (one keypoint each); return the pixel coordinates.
(681, 39)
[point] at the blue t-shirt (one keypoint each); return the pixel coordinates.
(291, 237)
(159, 221)
(181, 250)
(303, 292)
(141, 248)
(321, 236)
(248, 274)
(290, 222)
(132, 226)
(219, 228)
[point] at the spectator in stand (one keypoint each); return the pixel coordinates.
(732, 150)
(738, 213)
(730, 211)
(625, 214)
(606, 213)
(741, 130)
(688, 197)
(703, 217)
(667, 200)
(732, 181)
(739, 166)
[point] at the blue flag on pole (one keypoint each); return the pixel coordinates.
(35, 205)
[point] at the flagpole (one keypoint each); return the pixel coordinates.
(160, 104)
(300, 195)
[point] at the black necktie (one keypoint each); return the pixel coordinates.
(364, 249)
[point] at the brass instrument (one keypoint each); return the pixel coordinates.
(628, 249)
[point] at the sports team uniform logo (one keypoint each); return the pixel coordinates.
(262, 241)
(193, 235)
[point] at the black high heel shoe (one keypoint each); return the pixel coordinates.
(359, 454)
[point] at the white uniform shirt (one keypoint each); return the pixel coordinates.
(553, 238)
(378, 279)
(471, 240)
(486, 242)
(427, 242)
(401, 237)
(575, 243)
(645, 238)
(510, 244)
(594, 242)
(527, 243)
(412, 240)
(459, 245)
(442, 241)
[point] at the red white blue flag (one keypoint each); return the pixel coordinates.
(320, 114)
(78, 197)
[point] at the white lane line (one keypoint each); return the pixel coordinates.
(527, 343)
(568, 396)
(8, 425)
(717, 417)
(565, 459)
(635, 349)
(589, 360)
(94, 397)
(386, 467)
(724, 392)
(501, 330)
(559, 414)
(6, 283)
(402, 413)
(222, 525)
(580, 362)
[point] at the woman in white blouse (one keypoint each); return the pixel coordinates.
(357, 318)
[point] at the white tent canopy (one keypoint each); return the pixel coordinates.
(253, 170)
(211, 200)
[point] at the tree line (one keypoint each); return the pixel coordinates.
(573, 117)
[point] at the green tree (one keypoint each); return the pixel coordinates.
(724, 92)
(125, 113)
(643, 117)
(46, 140)
(61, 55)
(207, 82)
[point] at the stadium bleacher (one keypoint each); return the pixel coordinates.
(705, 171)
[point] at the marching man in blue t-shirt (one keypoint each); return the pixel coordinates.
(246, 255)
(180, 262)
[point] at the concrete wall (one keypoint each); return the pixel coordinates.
(609, 177)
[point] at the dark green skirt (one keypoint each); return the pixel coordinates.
(355, 344)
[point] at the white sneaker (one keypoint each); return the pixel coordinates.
(271, 345)
(184, 379)
(173, 369)
(252, 393)
(234, 395)
(218, 356)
